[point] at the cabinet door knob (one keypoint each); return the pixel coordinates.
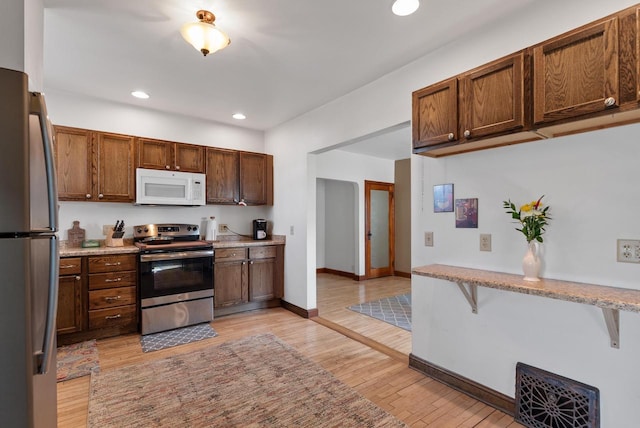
(467, 133)
(100, 196)
(167, 167)
(88, 196)
(251, 262)
(77, 278)
(451, 136)
(610, 102)
(177, 167)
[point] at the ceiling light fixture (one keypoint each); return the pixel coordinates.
(239, 116)
(204, 35)
(405, 7)
(140, 94)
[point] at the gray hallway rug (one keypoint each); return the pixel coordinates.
(394, 310)
(179, 336)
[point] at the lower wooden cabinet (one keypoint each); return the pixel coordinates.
(97, 297)
(112, 292)
(248, 278)
(69, 316)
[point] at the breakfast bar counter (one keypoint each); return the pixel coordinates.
(610, 299)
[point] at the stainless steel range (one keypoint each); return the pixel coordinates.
(176, 276)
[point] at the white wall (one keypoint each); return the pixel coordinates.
(93, 215)
(70, 109)
(84, 112)
(562, 337)
(351, 167)
(320, 223)
(21, 38)
(340, 225)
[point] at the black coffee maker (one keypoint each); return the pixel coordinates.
(259, 228)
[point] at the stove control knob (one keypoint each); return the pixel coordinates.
(195, 228)
(139, 230)
(189, 228)
(146, 230)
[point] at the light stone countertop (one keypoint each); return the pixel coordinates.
(128, 248)
(598, 295)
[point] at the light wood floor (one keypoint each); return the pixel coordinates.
(336, 293)
(412, 397)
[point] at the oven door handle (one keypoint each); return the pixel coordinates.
(176, 255)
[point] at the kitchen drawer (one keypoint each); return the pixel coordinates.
(111, 297)
(99, 264)
(268, 252)
(99, 281)
(228, 254)
(70, 266)
(113, 317)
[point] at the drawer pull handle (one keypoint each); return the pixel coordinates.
(113, 317)
(113, 280)
(67, 266)
(77, 278)
(112, 264)
(112, 298)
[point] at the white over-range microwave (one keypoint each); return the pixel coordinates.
(157, 187)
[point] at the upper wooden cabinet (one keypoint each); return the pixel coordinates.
(222, 176)
(94, 166)
(256, 178)
(114, 158)
(74, 157)
(493, 97)
(435, 114)
(585, 79)
(577, 73)
(158, 154)
(239, 177)
(489, 101)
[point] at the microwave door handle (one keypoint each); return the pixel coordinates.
(38, 108)
(52, 308)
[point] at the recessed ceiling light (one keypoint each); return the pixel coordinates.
(140, 94)
(405, 7)
(239, 116)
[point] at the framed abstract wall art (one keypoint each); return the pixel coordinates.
(443, 198)
(467, 213)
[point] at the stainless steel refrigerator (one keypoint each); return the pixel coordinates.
(28, 257)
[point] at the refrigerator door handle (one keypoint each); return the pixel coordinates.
(52, 308)
(37, 107)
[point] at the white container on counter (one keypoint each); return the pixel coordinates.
(212, 227)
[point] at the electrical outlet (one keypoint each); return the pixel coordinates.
(107, 228)
(485, 242)
(629, 250)
(428, 239)
(290, 230)
(222, 228)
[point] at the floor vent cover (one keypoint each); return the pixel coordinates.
(547, 400)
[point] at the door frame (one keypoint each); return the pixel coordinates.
(389, 270)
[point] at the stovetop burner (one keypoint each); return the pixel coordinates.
(168, 236)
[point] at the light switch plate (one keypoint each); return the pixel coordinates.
(428, 239)
(485, 242)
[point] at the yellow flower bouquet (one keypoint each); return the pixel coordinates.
(533, 218)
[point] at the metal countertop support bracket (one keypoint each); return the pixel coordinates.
(471, 294)
(612, 319)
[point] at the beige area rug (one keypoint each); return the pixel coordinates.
(76, 360)
(254, 382)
